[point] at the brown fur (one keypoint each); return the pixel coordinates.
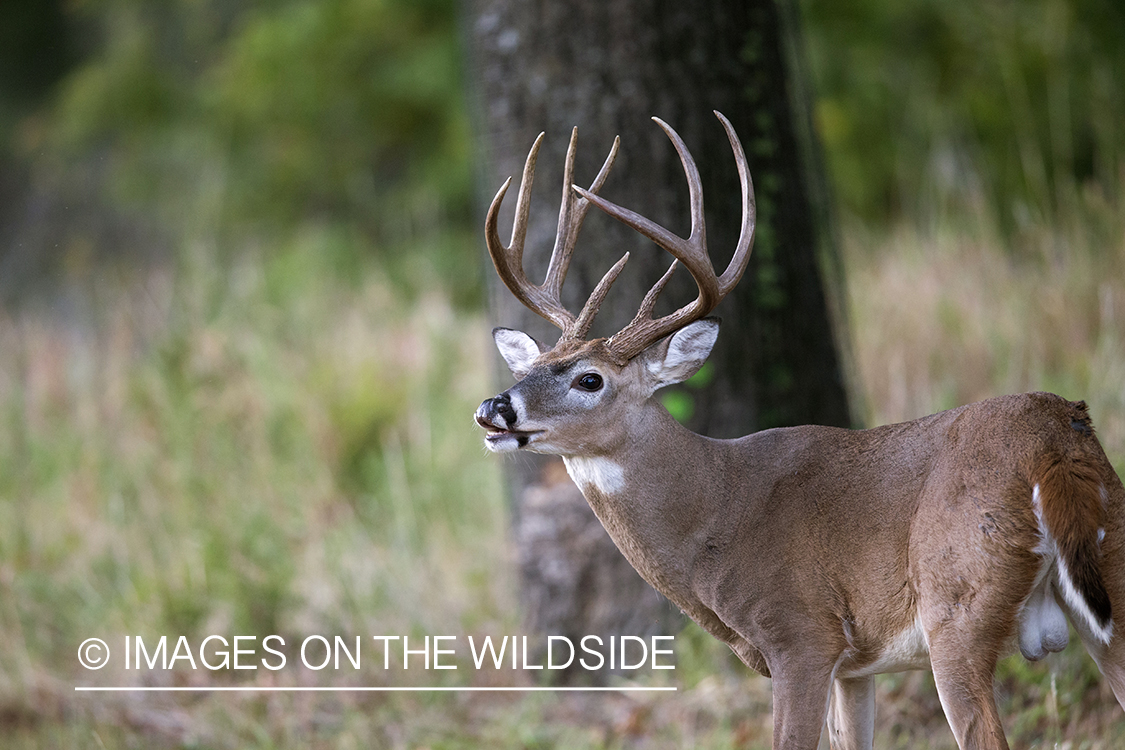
(1071, 491)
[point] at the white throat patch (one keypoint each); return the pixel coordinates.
(602, 474)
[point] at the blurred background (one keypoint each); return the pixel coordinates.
(243, 327)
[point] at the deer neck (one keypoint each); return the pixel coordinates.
(649, 492)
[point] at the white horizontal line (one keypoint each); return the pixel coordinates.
(294, 689)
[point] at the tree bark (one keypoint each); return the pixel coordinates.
(606, 67)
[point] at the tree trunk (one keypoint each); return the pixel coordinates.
(606, 67)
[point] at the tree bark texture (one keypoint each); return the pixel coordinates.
(606, 66)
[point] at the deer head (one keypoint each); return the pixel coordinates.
(565, 389)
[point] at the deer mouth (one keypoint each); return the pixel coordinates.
(497, 434)
(521, 437)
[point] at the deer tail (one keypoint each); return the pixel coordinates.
(1069, 500)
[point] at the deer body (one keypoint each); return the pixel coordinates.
(837, 524)
(823, 556)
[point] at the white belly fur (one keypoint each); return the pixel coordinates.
(1042, 628)
(907, 650)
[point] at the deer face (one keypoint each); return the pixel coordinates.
(581, 398)
(573, 400)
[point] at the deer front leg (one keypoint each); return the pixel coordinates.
(851, 717)
(800, 702)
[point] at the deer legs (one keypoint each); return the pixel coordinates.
(965, 687)
(1110, 660)
(851, 716)
(800, 701)
(965, 642)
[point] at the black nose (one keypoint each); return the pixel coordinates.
(491, 408)
(503, 406)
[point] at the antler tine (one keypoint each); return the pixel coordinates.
(594, 303)
(692, 252)
(545, 299)
(509, 260)
(564, 238)
(572, 212)
(741, 256)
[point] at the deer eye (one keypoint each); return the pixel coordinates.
(591, 381)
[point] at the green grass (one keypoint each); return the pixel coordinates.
(285, 445)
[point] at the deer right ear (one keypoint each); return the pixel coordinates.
(679, 356)
(518, 349)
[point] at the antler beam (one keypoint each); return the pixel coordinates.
(643, 331)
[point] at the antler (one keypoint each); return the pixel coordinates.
(643, 331)
(545, 299)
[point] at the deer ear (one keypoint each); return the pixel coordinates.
(676, 358)
(518, 349)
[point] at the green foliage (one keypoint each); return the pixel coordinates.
(927, 107)
(679, 400)
(33, 55)
(346, 112)
(350, 114)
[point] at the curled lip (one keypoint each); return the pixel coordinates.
(494, 435)
(495, 432)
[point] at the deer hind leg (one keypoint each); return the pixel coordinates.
(1110, 657)
(964, 679)
(851, 717)
(968, 622)
(1112, 664)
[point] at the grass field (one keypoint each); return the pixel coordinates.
(286, 447)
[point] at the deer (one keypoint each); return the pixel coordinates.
(822, 556)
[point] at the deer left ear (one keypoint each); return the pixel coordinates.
(518, 349)
(676, 358)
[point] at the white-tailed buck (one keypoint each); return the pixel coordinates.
(821, 556)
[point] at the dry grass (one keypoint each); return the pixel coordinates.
(944, 320)
(287, 448)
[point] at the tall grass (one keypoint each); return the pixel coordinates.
(946, 318)
(280, 447)
(284, 445)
